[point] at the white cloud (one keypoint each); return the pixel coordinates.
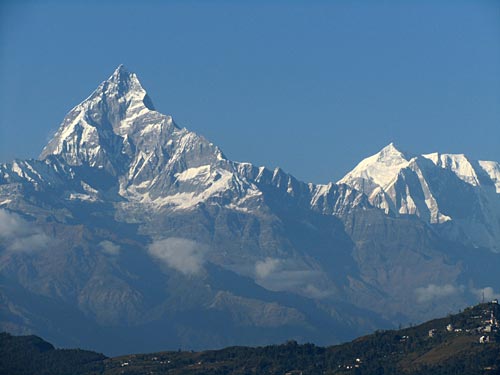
(109, 247)
(181, 254)
(432, 291)
(488, 293)
(19, 235)
(264, 268)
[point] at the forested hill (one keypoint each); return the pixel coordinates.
(448, 345)
(28, 355)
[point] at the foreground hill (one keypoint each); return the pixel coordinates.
(25, 355)
(450, 345)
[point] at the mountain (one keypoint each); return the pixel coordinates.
(460, 197)
(130, 233)
(457, 344)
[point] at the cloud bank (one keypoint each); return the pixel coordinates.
(183, 255)
(19, 235)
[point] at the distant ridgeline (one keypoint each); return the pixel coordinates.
(465, 343)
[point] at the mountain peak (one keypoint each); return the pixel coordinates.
(112, 111)
(379, 169)
(122, 75)
(390, 147)
(390, 152)
(116, 129)
(121, 69)
(124, 84)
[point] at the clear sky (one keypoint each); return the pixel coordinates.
(310, 86)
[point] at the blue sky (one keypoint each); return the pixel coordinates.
(312, 87)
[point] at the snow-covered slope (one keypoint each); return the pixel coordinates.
(476, 173)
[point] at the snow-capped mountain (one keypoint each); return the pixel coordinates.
(156, 163)
(117, 130)
(442, 189)
(142, 231)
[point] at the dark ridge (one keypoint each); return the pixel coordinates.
(450, 345)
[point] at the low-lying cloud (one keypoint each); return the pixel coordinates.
(109, 248)
(433, 291)
(19, 235)
(181, 254)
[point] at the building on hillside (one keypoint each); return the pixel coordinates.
(493, 320)
(484, 339)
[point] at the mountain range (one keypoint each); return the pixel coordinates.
(130, 233)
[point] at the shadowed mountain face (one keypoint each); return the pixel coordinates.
(133, 234)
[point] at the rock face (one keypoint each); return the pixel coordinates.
(131, 234)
